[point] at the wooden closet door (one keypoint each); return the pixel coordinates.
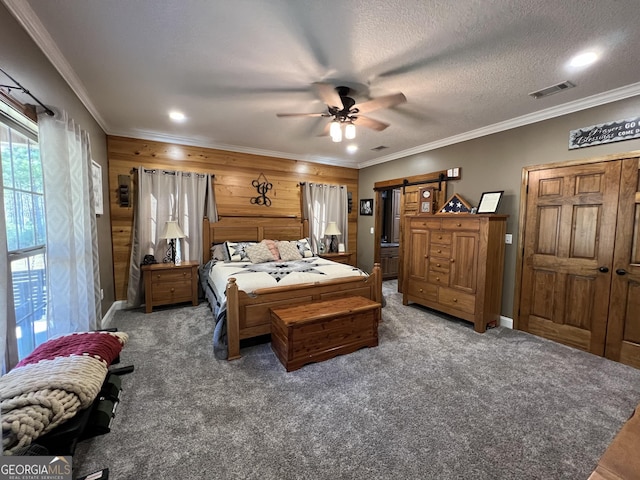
(623, 331)
(568, 253)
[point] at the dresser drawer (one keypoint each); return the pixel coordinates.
(423, 290)
(439, 278)
(171, 276)
(441, 238)
(461, 224)
(455, 299)
(439, 265)
(436, 250)
(430, 223)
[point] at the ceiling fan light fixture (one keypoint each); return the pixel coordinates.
(350, 131)
(335, 131)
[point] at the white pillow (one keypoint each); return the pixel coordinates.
(289, 251)
(237, 251)
(304, 247)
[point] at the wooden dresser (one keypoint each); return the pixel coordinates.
(166, 284)
(454, 264)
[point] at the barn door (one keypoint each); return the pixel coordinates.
(623, 332)
(569, 238)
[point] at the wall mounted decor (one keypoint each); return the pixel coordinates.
(427, 201)
(366, 206)
(96, 174)
(124, 184)
(262, 186)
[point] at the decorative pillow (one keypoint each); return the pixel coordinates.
(271, 244)
(237, 251)
(259, 253)
(304, 247)
(288, 251)
(218, 252)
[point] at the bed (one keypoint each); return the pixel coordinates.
(241, 314)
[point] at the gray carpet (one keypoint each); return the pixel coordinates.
(434, 400)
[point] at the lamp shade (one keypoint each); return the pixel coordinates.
(332, 229)
(172, 230)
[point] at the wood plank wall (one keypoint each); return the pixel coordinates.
(234, 173)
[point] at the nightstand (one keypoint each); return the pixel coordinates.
(342, 257)
(166, 284)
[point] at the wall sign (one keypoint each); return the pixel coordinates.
(605, 133)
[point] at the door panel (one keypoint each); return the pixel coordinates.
(569, 234)
(623, 330)
(464, 270)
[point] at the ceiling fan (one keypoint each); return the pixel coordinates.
(345, 111)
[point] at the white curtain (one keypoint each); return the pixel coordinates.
(162, 196)
(4, 282)
(323, 204)
(73, 276)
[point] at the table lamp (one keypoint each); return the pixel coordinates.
(332, 229)
(171, 232)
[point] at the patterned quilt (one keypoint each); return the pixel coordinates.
(253, 276)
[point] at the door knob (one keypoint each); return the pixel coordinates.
(621, 271)
(603, 269)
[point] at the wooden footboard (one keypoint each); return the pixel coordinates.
(249, 315)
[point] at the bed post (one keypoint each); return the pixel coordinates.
(377, 274)
(233, 321)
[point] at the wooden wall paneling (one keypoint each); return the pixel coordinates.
(234, 173)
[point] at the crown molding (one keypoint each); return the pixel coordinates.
(549, 113)
(25, 15)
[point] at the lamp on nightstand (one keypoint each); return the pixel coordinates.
(171, 232)
(332, 229)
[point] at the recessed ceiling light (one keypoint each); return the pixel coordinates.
(583, 59)
(177, 116)
(352, 148)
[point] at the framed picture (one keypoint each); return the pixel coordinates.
(366, 206)
(489, 202)
(96, 174)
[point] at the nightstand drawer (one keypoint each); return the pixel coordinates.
(171, 276)
(166, 293)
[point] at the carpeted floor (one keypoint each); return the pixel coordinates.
(434, 400)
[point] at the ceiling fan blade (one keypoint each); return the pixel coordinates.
(328, 94)
(302, 114)
(386, 101)
(370, 123)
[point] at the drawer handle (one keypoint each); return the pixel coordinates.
(173, 290)
(158, 276)
(426, 256)
(437, 264)
(184, 274)
(439, 237)
(421, 290)
(437, 279)
(439, 251)
(458, 224)
(452, 260)
(455, 300)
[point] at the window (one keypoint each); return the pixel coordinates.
(23, 195)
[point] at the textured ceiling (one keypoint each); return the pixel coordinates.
(466, 67)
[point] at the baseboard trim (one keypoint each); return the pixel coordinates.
(506, 322)
(108, 317)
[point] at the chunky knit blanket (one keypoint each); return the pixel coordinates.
(59, 378)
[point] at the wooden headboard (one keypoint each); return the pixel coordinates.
(251, 229)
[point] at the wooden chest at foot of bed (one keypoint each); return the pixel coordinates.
(318, 331)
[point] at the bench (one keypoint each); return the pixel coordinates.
(317, 331)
